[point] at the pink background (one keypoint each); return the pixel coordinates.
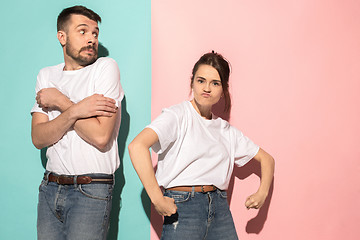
(295, 88)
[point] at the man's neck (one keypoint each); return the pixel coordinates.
(71, 65)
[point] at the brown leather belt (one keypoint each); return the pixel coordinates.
(69, 180)
(202, 188)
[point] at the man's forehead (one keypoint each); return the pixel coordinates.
(81, 20)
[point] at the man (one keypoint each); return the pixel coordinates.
(77, 117)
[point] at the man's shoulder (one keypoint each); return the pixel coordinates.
(103, 61)
(50, 69)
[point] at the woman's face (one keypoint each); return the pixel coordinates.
(206, 86)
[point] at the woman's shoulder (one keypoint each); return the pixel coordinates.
(178, 109)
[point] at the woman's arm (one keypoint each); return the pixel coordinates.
(141, 160)
(267, 163)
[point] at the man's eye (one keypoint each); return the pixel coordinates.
(82, 32)
(95, 35)
(200, 81)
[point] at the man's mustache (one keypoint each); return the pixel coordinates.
(88, 48)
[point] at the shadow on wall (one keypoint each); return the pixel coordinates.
(102, 51)
(218, 110)
(256, 224)
(119, 174)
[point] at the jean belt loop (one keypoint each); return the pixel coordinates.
(193, 191)
(47, 178)
(75, 181)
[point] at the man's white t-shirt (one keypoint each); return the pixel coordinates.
(71, 155)
(196, 151)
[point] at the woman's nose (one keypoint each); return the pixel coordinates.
(207, 88)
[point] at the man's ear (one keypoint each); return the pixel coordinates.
(61, 35)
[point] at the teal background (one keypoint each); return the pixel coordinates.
(29, 43)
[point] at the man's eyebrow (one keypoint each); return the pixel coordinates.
(85, 25)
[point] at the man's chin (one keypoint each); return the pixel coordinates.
(85, 61)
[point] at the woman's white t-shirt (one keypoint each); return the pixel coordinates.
(196, 151)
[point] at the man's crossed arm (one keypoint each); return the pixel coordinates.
(93, 119)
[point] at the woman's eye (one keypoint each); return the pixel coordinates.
(200, 81)
(216, 83)
(82, 32)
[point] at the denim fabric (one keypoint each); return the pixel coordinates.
(75, 212)
(199, 216)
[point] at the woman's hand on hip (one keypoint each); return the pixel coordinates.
(166, 206)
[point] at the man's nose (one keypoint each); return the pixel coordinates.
(91, 39)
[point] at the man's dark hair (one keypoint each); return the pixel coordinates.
(65, 15)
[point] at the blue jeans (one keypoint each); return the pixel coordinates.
(199, 216)
(75, 212)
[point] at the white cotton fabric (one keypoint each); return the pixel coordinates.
(71, 155)
(196, 151)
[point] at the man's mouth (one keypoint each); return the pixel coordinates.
(89, 49)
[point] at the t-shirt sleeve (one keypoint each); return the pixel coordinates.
(166, 127)
(40, 84)
(108, 81)
(245, 149)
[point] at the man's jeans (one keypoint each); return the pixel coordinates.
(75, 212)
(199, 216)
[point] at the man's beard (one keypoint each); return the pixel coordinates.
(81, 60)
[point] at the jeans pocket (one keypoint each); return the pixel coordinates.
(223, 194)
(42, 184)
(97, 191)
(178, 196)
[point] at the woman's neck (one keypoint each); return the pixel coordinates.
(204, 111)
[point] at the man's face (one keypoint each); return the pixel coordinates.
(81, 44)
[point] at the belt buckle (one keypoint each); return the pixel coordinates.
(202, 189)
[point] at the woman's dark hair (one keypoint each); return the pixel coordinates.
(65, 15)
(218, 62)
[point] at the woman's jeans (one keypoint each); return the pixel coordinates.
(73, 211)
(199, 216)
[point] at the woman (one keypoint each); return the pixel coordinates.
(197, 152)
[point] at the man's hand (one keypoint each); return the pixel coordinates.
(166, 206)
(52, 99)
(95, 105)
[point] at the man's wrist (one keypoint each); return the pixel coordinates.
(64, 104)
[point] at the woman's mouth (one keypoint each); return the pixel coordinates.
(206, 95)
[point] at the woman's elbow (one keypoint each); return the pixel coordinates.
(271, 161)
(131, 147)
(135, 147)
